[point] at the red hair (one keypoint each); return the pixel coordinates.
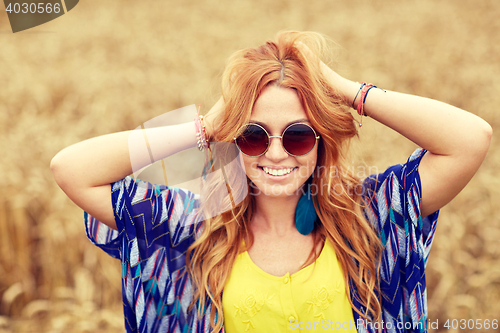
(292, 61)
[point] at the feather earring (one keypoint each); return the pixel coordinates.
(305, 213)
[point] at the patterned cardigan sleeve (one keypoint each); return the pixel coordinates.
(156, 225)
(393, 208)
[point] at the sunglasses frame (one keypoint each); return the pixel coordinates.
(317, 137)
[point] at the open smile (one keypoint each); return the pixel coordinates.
(277, 173)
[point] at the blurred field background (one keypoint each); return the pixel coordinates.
(109, 66)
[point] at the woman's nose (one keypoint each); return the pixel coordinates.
(276, 152)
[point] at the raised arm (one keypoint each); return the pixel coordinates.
(457, 141)
(85, 170)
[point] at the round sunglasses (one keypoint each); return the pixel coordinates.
(297, 139)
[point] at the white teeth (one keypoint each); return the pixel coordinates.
(277, 172)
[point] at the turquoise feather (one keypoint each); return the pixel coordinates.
(305, 214)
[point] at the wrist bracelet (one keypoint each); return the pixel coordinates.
(354, 100)
(364, 89)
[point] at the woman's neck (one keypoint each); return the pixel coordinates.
(275, 215)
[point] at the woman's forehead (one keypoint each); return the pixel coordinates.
(278, 107)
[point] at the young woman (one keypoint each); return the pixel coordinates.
(311, 246)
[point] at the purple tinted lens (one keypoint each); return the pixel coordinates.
(299, 139)
(253, 141)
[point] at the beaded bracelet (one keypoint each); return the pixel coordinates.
(201, 133)
(204, 145)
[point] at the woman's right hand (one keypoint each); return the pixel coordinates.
(211, 118)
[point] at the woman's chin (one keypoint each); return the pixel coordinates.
(275, 191)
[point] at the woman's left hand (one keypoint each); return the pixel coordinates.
(344, 88)
(456, 140)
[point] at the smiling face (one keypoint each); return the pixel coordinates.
(276, 173)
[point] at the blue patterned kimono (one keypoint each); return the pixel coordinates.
(157, 224)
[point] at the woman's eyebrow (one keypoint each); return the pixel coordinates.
(302, 120)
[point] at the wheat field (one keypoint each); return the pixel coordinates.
(109, 66)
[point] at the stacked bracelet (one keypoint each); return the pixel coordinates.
(363, 89)
(354, 100)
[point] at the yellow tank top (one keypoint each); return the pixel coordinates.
(312, 299)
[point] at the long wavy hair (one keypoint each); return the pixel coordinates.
(287, 63)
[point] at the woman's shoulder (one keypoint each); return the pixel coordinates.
(401, 175)
(395, 195)
(138, 188)
(157, 215)
(141, 194)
